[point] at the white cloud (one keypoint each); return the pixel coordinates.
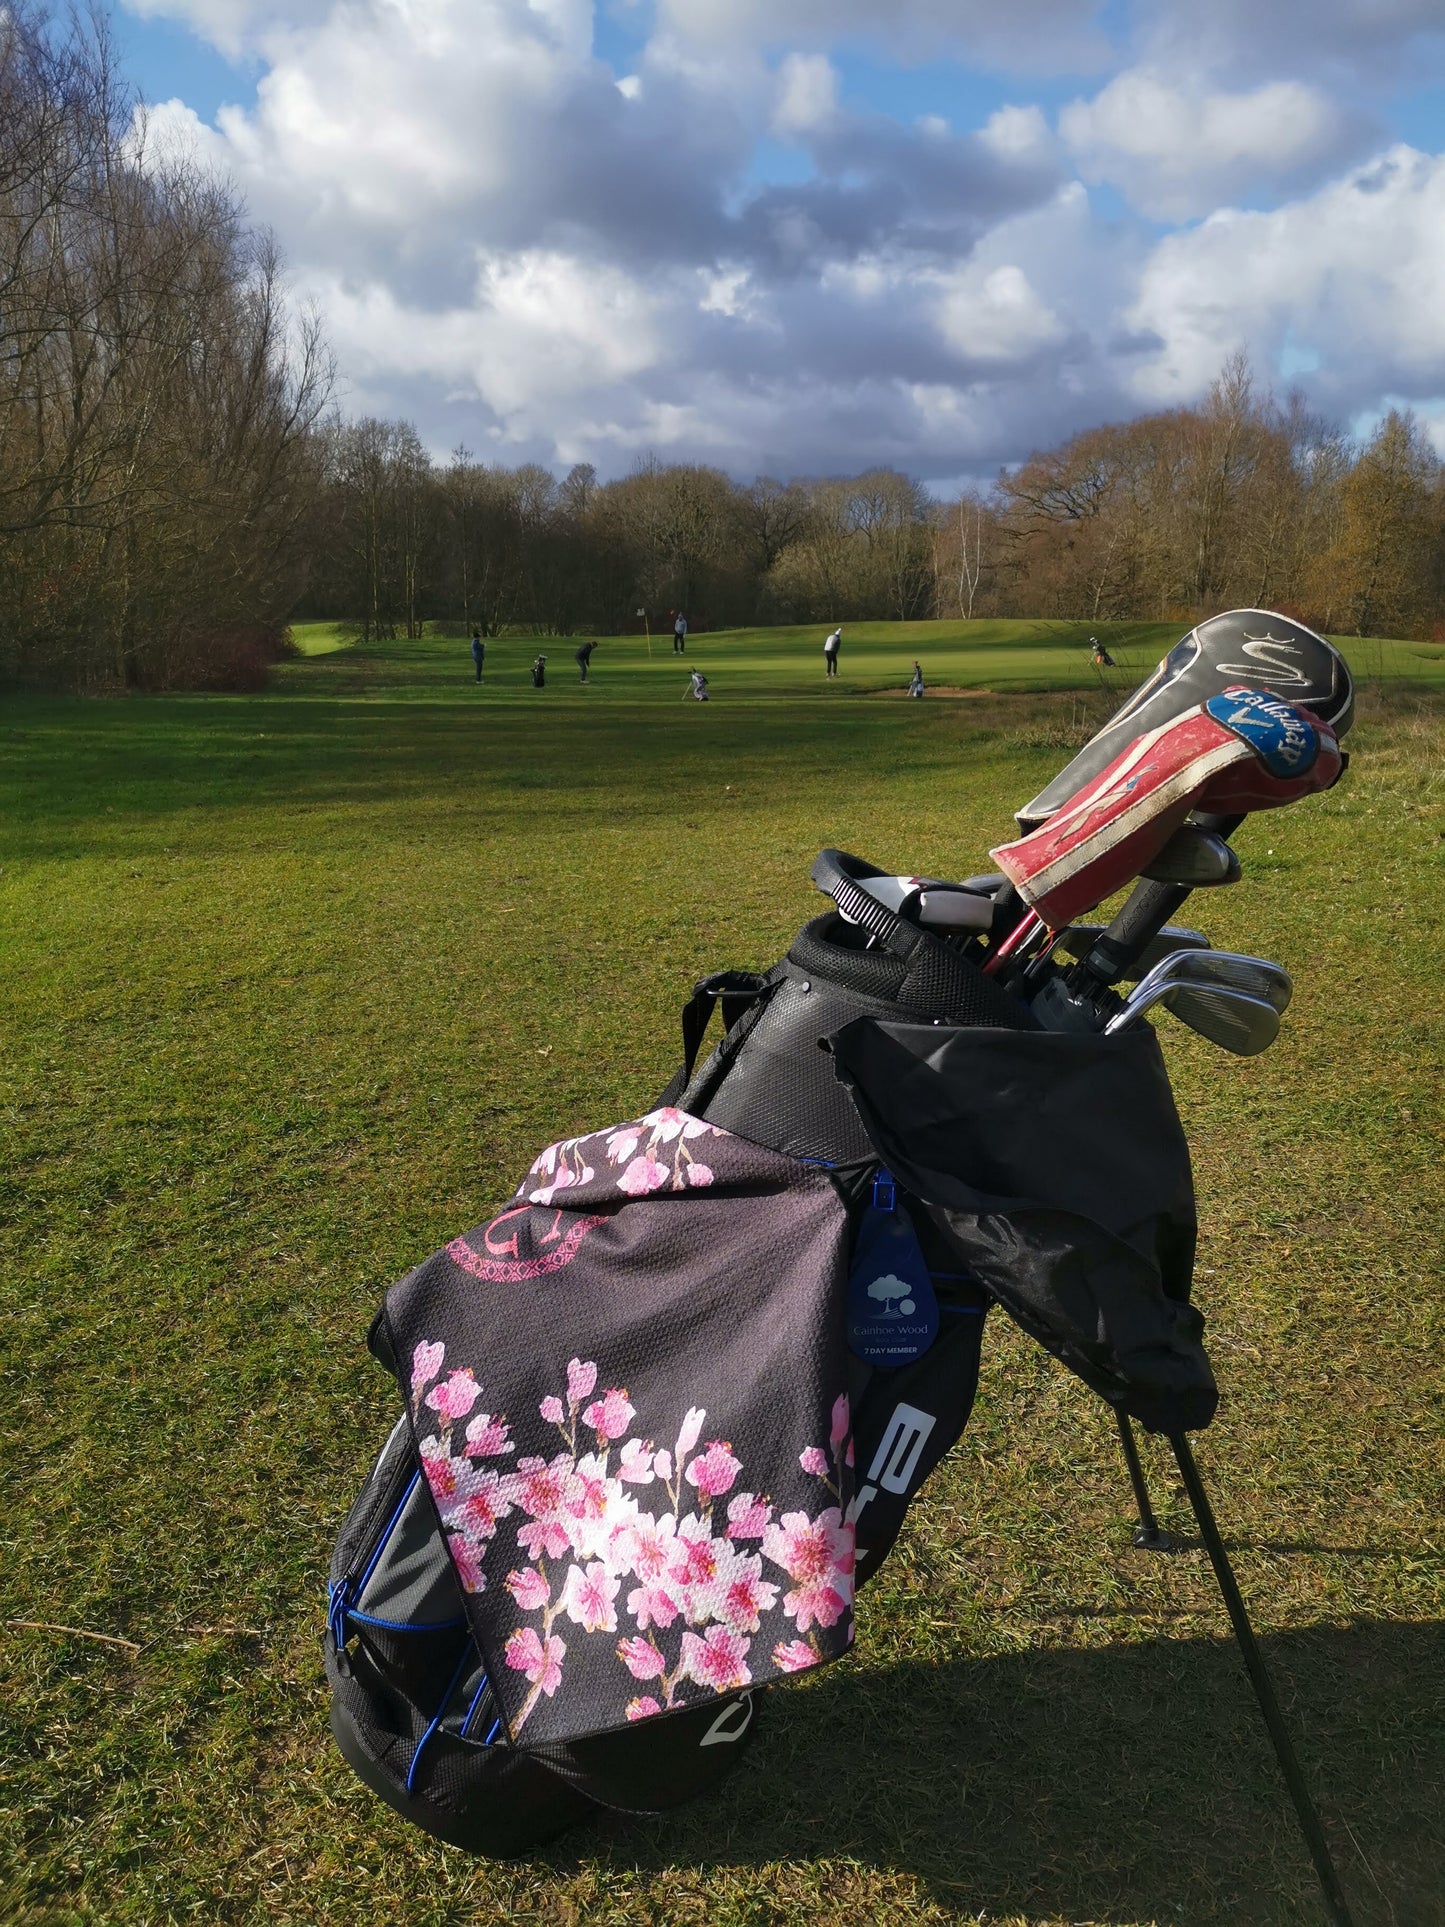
(1356, 270)
(1177, 154)
(1039, 36)
(807, 94)
(995, 314)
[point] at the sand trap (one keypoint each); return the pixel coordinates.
(935, 689)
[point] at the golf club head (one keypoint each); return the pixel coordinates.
(1195, 857)
(1234, 1020)
(1255, 976)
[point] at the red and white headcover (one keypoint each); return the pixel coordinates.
(1210, 759)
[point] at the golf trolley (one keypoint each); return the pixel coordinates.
(939, 1101)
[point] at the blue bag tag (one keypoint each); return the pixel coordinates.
(892, 1310)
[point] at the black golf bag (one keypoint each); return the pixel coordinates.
(816, 1291)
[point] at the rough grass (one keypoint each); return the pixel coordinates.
(293, 986)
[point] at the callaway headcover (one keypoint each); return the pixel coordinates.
(1241, 750)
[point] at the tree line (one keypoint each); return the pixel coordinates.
(175, 485)
(1240, 501)
(159, 403)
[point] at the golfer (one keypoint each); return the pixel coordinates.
(830, 651)
(539, 672)
(679, 635)
(479, 651)
(584, 656)
(915, 687)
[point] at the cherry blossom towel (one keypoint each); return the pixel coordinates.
(628, 1397)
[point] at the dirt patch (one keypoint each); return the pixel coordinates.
(935, 689)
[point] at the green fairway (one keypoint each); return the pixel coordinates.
(876, 660)
(292, 988)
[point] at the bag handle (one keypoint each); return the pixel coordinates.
(737, 991)
(836, 874)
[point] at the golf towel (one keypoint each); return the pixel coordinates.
(628, 1395)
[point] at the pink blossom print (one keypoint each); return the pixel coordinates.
(610, 1415)
(540, 1660)
(794, 1656)
(818, 1556)
(608, 1538)
(718, 1659)
(644, 1174)
(698, 1174)
(716, 1471)
(487, 1438)
(641, 1658)
(529, 1589)
(426, 1362)
(587, 1598)
(748, 1517)
(467, 1563)
(457, 1397)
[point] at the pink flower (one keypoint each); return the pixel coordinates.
(815, 1460)
(542, 1663)
(716, 1471)
(818, 1556)
(479, 1511)
(794, 1656)
(688, 1437)
(580, 1380)
(839, 1429)
(611, 1414)
(443, 1473)
(621, 1144)
(468, 1562)
(641, 1658)
(667, 1123)
(694, 1559)
(652, 1605)
(748, 1517)
(746, 1598)
(528, 1588)
(543, 1539)
(426, 1362)
(644, 1174)
(662, 1465)
(642, 1709)
(587, 1598)
(698, 1174)
(564, 1179)
(635, 1463)
(551, 1410)
(644, 1546)
(487, 1438)
(457, 1397)
(718, 1660)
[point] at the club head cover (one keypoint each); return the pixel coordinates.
(1254, 747)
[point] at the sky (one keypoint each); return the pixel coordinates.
(805, 237)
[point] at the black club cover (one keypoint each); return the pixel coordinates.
(628, 1393)
(1057, 1165)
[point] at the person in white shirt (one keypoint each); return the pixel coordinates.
(679, 635)
(830, 651)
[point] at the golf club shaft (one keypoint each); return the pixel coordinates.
(1148, 909)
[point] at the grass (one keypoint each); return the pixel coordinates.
(293, 986)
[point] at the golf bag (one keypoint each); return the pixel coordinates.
(713, 1257)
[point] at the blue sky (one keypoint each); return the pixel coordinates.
(803, 236)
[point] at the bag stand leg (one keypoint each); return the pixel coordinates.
(1253, 1664)
(1149, 1537)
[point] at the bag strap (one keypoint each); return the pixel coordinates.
(737, 991)
(836, 874)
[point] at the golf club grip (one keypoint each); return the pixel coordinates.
(1144, 915)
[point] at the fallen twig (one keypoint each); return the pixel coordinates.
(73, 1632)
